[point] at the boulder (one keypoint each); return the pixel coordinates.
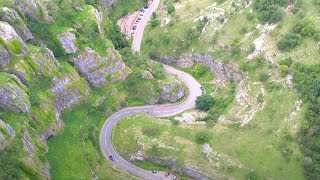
(147, 75)
(11, 40)
(13, 18)
(36, 10)
(13, 96)
(67, 40)
(6, 135)
(172, 91)
(100, 70)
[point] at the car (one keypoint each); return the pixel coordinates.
(146, 7)
(111, 158)
(139, 18)
(155, 171)
(167, 174)
(201, 88)
(174, 177)
(142, 10)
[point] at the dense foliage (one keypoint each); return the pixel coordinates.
(270, 11)
(204, 102)
(307, 82)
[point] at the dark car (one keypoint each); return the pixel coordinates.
(155, 171)
(167, 174)
(111, 158)
(201, 88)
(139, 18)
(142, 10)
(146, 7)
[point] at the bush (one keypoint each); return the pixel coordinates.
(202, 137)
(286, 61)
(304, 27)
(151, 132)
(204, 102)
(175, 122)
(263, 77)
(283, 70)
(199, 69)
(270, 11)
(155, 23)
(289, 41)
(171, 8)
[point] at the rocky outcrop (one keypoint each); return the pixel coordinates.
(172, 164)
(100, 70)
(13, 96)
(4, 57)
(6, 134)
(223, 72)
(11, 40)
(69, 91)
(67, 40)
(99, 18)
(35, 9)
(109, 3)
(13, 18)
(44, 62)
(172, 91)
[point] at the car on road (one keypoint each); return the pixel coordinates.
(202, 90)
(155, 171)
(111, 158)
(139, 18)
(146, 7)
(167, 174)
(174, 177)
(142, 10)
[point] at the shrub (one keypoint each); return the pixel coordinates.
(286, 61)
(155, 23)
(283, 70)
(171, 8)
(202, 137)
(304, 27)
(263, 77)
(151, 132)
(199, 69)
(175, 122)
(289, 41)
(204, 102)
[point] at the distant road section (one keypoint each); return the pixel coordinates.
(137, 36)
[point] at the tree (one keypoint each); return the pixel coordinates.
(289, 41)
(204, 102)
(202, 137)
(199, 69)
(304, 27)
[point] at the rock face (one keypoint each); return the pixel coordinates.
(8, 36)
(68, 91)
(35, 9)
(6, 135)
(4, 57)
(172, 91)
(44, 62)
(67, 40)
(13, 96)
(223, 72)
(12, 17)
(172, 163)
(100, 70)
(147, 75)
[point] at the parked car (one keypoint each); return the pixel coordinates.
(146, 7)
(111, 158)
(155, 171)
(142, 10)
(167, 174)
(174, 177)
(139, 18)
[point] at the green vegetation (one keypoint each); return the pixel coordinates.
(204, 102)
(15, 45)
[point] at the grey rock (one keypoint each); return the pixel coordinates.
(153, 101)
(13, 96)
(69, 91)
(67, 40)
(172, 91)
(4, 57)
(28, 144)
(147, 75)
(13, 18)
(100, 70)
(45, 61)
(7, 136)
(99, 17)
(172, 163)
(36, 10)
(8, 34)
(109, 3)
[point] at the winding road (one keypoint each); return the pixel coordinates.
(165, 110)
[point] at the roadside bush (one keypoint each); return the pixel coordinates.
(204, 102)
(202, 137)
(199, 69)
(289, 42)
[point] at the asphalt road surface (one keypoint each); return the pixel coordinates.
(164, 110)
(137, 36)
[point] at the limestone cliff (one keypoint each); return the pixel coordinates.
(35, 9)
(6, 134)
(13, 96)
(172, 91)
(98, 69)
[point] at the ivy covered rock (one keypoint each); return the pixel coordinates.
(4, 57)
(13, 18)
(6, 134)
(67, 40)
(98, 69)
(35, 9)
(11, 40)
(13, 96)
(172, 91)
